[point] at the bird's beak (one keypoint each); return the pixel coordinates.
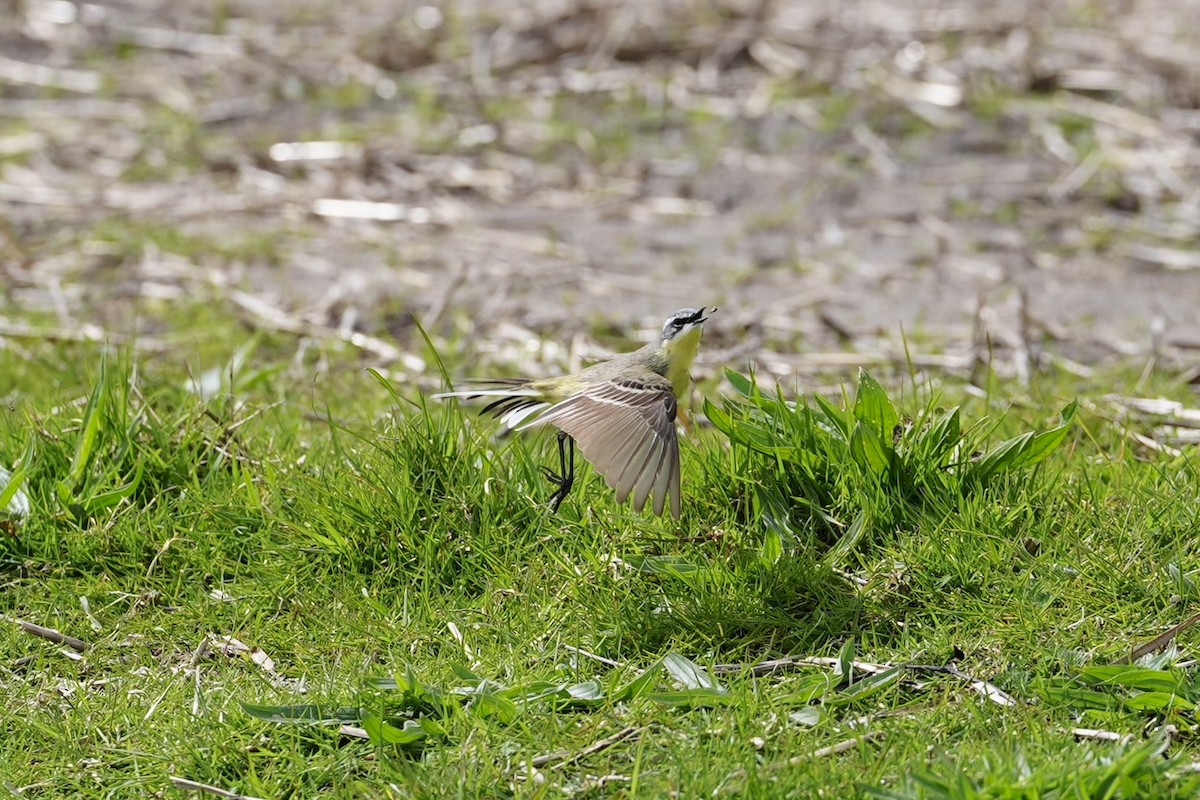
(703, 318)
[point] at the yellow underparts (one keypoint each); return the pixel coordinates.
(681, 352)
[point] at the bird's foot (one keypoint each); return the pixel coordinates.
(564, 484)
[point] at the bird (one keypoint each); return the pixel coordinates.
(620, 413)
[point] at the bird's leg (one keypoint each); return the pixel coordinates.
(565, 478)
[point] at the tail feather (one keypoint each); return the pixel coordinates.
(494, 383)
(512, 406)
(499, 408)
(471, 394)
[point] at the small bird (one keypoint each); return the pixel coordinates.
(620, 412)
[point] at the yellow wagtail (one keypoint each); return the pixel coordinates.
(620, 412)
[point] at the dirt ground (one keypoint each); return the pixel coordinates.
(1013, 179)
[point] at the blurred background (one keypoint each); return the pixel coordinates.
(1006, 183)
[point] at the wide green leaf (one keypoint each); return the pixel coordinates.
(1158, 702)
(873, 408)
(860, 690)
(754, 434)
(688, 673)
(844, 666)
(89, 430)
(308, 713)
(563, 695)
(719, 417)
(1135, 677)
(810, 687)
(416, 695)
(741, 384)
(692, 698)
(1002, 457)
(808, 717)
(838, 418)
(668, 566)
(1046, 442)
(13, 502)
(1062, 693)
(464, 674)
(102, 500)
(772, 546)
(382, 732)
(490, 702)
(869, 450)
(640, 685)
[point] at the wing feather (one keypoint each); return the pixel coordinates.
(639, 454)
(664, 483)
(630, 475)
(626, 428)
(625, 441)
(650, 474)
(673, 490)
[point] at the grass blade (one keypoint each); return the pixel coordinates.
(692, 698)
(89, 430)
(13, 502)
(838, 554)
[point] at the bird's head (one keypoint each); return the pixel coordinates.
(683, 322)
(679, 343)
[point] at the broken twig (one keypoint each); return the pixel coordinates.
(564, 758)
(49, 634)
(204, 788)
(1159, 642)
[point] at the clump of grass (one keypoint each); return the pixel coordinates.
(420, 499)
(130, 449)
(817, 474)
(1104, 694)
(1132, 769)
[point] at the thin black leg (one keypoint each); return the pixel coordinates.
(565, 478)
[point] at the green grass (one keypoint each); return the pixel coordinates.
(400, 565)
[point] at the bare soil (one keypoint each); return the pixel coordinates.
(1013, 181)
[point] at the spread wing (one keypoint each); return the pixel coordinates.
(626, 429)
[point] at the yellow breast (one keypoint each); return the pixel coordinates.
(681, 352)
